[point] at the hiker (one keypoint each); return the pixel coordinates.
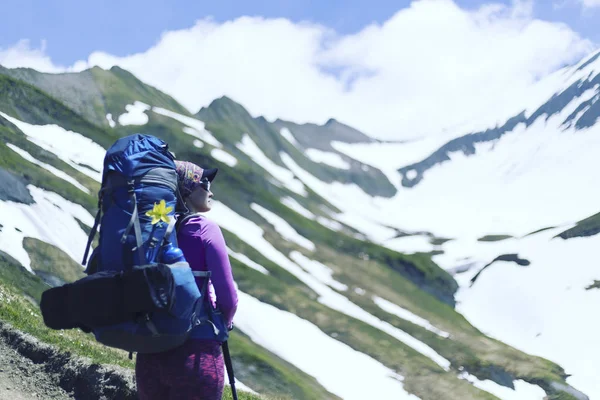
(194, 370)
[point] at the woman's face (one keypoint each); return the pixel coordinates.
(200, 199)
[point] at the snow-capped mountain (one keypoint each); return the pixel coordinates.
(412, 270)
(527, 188)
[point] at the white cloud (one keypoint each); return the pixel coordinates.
(23, 55)
(430, 66)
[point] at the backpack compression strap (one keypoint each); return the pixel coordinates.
(91, 237)
(94, 229)
(135, 222)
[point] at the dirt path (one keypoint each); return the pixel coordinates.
(31, 370)
(21, 379)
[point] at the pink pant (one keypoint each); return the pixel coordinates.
(193, 371)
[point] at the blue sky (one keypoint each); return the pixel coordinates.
(73, 29)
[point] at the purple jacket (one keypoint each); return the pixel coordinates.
(203, 245)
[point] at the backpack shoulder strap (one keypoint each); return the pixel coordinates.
(184, 219)
(197, 274)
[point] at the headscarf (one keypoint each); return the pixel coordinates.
(189, 176)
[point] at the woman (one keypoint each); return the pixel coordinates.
(195, 370)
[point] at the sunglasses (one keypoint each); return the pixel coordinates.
(205, 184)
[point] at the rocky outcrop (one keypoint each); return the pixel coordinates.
(13, 188)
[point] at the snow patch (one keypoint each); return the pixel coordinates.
(50, 219)
(48, 168)
(320, 271)
(71, 147)
(357, 207)
(285, 132)
(411, 244)
(135, 115)
(403, 313)
(324, 157)
(328, 223)
(294, 205)
(283, 175)
(283, 228)
(224, 156)
(522, 390)
(110, 120)
(246, 260)
(343, 372)
(194, 127)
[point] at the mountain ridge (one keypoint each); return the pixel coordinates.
(584, 116)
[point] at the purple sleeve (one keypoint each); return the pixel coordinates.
(217, 262)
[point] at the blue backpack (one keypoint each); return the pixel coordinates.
(136, 214)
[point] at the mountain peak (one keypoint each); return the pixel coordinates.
(225, 101)
(224, 105)
(117, 69)
(333, 123)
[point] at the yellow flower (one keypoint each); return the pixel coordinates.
(160, 213)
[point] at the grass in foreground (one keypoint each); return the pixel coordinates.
(24, 315)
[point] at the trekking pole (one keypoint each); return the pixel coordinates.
(229, 367)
